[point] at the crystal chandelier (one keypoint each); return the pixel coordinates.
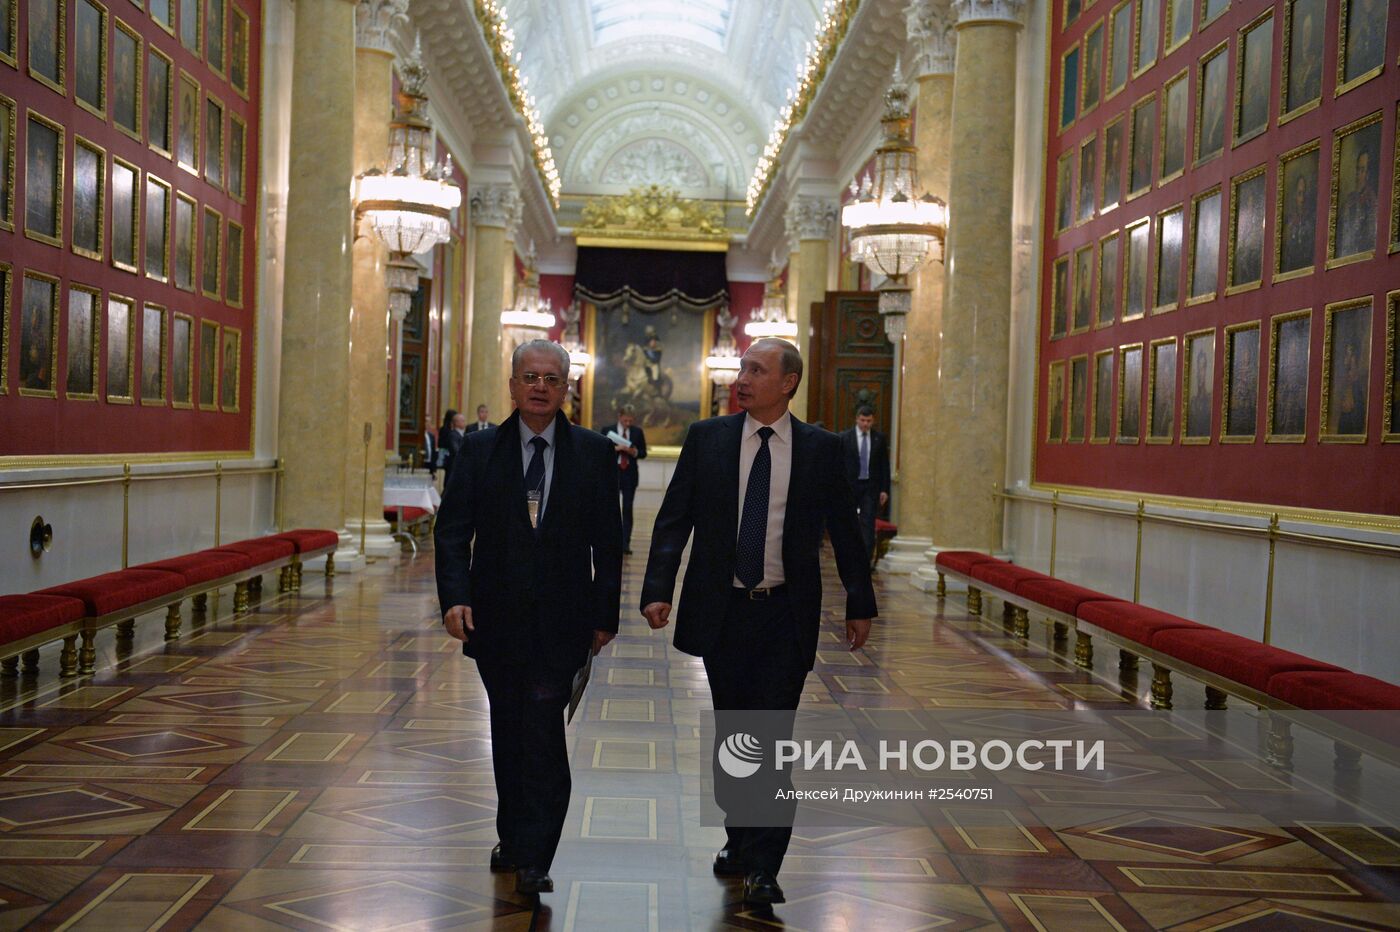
(531, 316)
(579, 357)
(408, 205)
(771, 319)
(891, 230)
(723, 362)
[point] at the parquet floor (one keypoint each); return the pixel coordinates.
(323, 762)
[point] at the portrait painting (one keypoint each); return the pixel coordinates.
(181, 358)
(38, 335)
(214, 34)
(9, 30)
(1288, 376)
(1135, 288)
(84, 337)
(237, 140)
(1120, 46)
(1356, 163)
(157, 240)
(1296, 229)
(1255, 73)
(1198, 387)
(1346, 369)
(238, 50)
(185, 208)
(411, 394)
(1078, 397)
(1083, 313)
(1362, 40)
(126, 80)
(650, 361)
(1302, 54)
(1149, 36)
(162, 13)
(189, 24)
(1092, 81)
(1246, 230)
(208, 364)
(1059, 298)
(1392, 356)
(6, 278)
(233, 265)
(1210, 9)
(229, 365)
(7, 163)
(43, 180)
(1113, 164)
(1141, 145)
(1055, 403)
(1241, 418)
(1175, 129)
(125, 219)
(1072, 10)
(152, 354)
(1212, 100)
(89, 180)
(187, 124)
(159, 101)
(1169, 234)
(1064, 192)
(1161, 420)
(210, 252)
(46, 46)
(119, 324)
(1205, 247)
(1130, 394)
(1088, 171)
(1110, 262)
(1179, 14)
(1069, 87)
(90, 56)
(214, 142)
(1103, 397)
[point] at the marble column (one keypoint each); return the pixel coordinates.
(495, 212)
(930, 32)
(969, 410)
(368, 396)
(316, 299)
(811, 222)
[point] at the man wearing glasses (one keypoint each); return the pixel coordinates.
(529, 574)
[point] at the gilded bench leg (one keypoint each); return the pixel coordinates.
(1347, 759)
(1278, 747)
(284, 579)
(126, 630)
(330, 565)
(87, 653)
(942, 590)
(1083, 650)
(240, 598)
(68, 657)
(1161, 687)
(1215, 698)
(1127, 661)
(974, 601)
(10, 666)
(31, 661)
(296, 573)
(172, 622)
(1021, 623)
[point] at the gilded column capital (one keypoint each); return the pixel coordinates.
(929, 25)
(497, 205)
(375, 21)
(809, 218)
(1003, 12)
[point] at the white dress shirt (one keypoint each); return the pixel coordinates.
(527, 452)
(780, 458)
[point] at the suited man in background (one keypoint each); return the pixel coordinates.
(449, 442)
(627, 455)
(529, 576)
(483, 419)
(867, 460)
(758, 489)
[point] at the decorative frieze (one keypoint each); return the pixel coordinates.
(929, 25)
(809, 218)
(375, 21)
(1007, 12)
(497, 205)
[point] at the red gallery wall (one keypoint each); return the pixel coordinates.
(37, 429)
(1353, 474)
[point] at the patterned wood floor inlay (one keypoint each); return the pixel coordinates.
(324, 762)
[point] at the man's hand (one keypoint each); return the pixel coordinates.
(857, 630)
(658, 614)
(601, 639)
(624, 448)
(458, 622)
(884, 497)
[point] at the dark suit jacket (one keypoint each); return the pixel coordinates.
(879, 459)
(704, 496)
(627, 478)
(531, 594)
(449, 443)
(475, 427)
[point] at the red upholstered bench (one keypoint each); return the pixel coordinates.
(30, 621)
(308, 544)
(1130, 626)
(266, 554)
(1238, 660)
(959, 564)
(1323, 690)
(204, 572)
(113, 598)
(885, 531)
(1059, 601)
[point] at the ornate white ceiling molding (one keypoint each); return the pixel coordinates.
(660, 162)
(1006, 12)
(929, 25)
(496, 205)
(809, 218)
(696, 132)
(375, 22)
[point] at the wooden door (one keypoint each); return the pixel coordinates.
(413, 374)
(852, 364)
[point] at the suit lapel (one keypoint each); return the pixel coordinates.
(560, 498)
(729, 478)
(507, 465)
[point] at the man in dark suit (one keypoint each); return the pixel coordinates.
(483, 419)
(867, 456)
(635, 448)
(529, 574)
(449, 443)
(758, 489)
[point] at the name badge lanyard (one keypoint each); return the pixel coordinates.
(533, 499)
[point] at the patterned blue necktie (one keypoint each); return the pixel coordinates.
(753, 526)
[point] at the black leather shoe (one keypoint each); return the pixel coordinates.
(762, 887)
(533, 880)
(728, 865)
(501, 863)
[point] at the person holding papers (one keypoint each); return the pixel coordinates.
(631, 445)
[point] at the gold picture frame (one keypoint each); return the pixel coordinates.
(214, 141)
(1391, 423)
(1339, 417)
(7, 278)
(1244, 267)
(1120, 43)
(1130, 376)
(157, 211)
(1059, 298)
(189, 123)
(236, 162)
(1205, 247)
(1394, 188)
(1286, 415)
(1142, 140)
(1371, 33)
(230, 362)
(125, 200)
(1136, 269)
(1113, 173)
(91, 160)
(1101, 408)
(9, 50)
(1232, 422)
(48, 151)
(1162, 360)
(184, 235)
(207, 367)
(1213, 91)
(216, 36)
(37, 374)
(233, 263)
(1309, 53)
(80, 344)
(92, 100)
(1085, 195)
(1295, 212)
(211, 253)
(119, 362)
(1198, 387)
(181, 361)
(1148, 31)
(9, 134)
(1081, 309)
(1069, 92)
(1174, 135)
(1354, 229)
(167, 7)
(190, 26)
(239, 31)
(1254, 64)
(1055, 402)
(1064, 192)
(1175, 38)
(1211, 10)
(1170, 248)
(56, 81)
(1091, 69)
(155, 58)
(117, 104)
(1108, 283)
(1077, 427)
(155, 340)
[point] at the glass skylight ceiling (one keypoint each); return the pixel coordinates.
(702, 21)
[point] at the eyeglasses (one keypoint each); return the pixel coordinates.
(549, 379)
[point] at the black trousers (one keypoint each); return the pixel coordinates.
(756, 664)
(530, 757)
(868, 501)
(627, 496)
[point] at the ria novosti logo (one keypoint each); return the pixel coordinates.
(740, 755)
